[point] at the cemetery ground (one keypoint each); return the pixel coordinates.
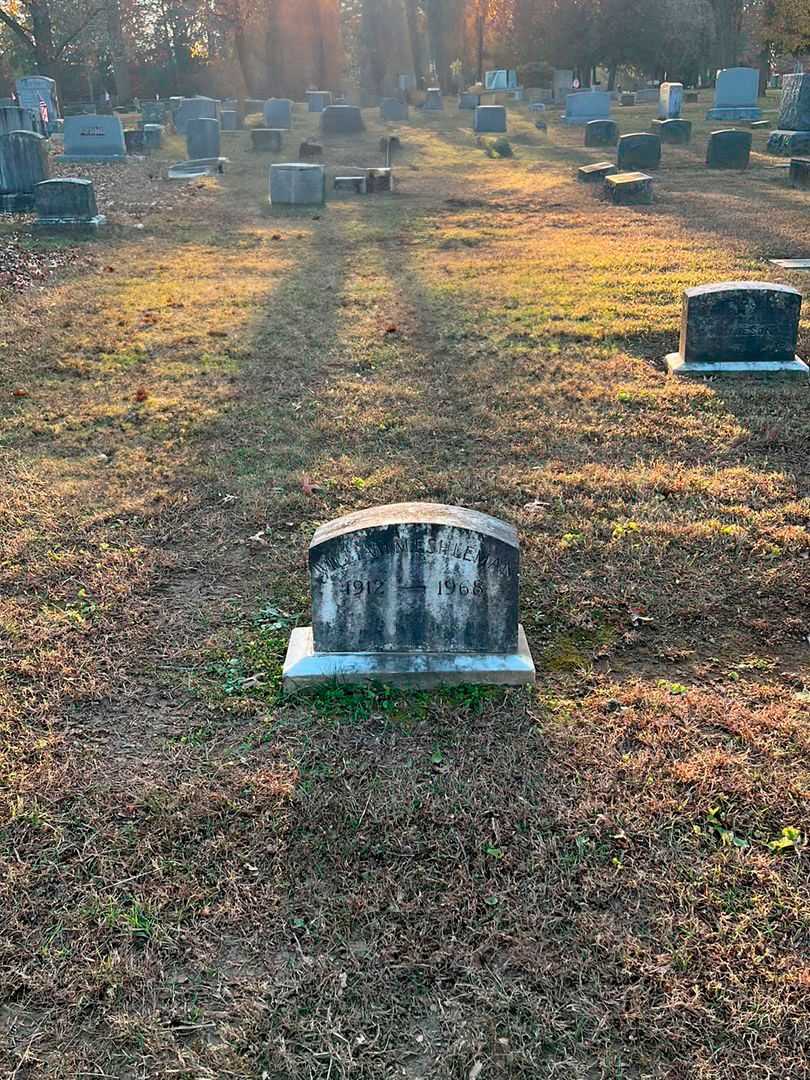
(602, 877)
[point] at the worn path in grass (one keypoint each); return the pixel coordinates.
(599, 878)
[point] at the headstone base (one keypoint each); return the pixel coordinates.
(592, 174)
(767, 369)
(303, 667)
(17, 204)
(737, 112)
(789, 143)
(628, 188)
(64, 224)
(90, 159)
(190, 170)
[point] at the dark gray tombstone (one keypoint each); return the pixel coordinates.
(154, 112)
(416, 594)
(342, 120)
(627, 188)
(196, 108)
(32, 92)
(152, 136)
(318, 100)
(628, 98)
(135, 141)
(489, 118)
(202, 138)
(392, 110)
(728, 149)
(252, 106)
(229, 120)
(277, 113)
(596, 173)
(601, 133)
(469, 100)
(379, 181)
(94, 138)
(297, 184)
(799, 173)
(13, 118)
(433, 100)
(793, 126)
(674, 132)
(355, 184)
(739, 328)
(640, 150)
(23, 165)
(267, 140)
(67, 203)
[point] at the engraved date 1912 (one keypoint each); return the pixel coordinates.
(447, 587)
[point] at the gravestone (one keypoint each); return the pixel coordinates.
(152, 136)
(310, 149)
(192, 170)
(342, 120)
(646, 95)
(677, 132)
(392, 110)
(296, 184)
(691, 97)
(229, 120)
(154, 112)
(501, 79)
(489, 118)
(596, 173)
(13, 118)
(627, 98)
(23, 165)
(735, 95)
(799, 173)
(196, 108)
(589, 105)
(601, 133)
(469, 99)
(67, 203)
(277, 113)
(629, 187)
(728, 149)
(318, 100)
(414, 594)
(134, 141)
(434, 102)
(740, 328)
(355, 184)
(562, 82)
(793, 126)
(267, 140)
(93, 138)
(670, 100)
(253, 105)
(639, 150)
(379, 181)
(32, 92)
(202, 138)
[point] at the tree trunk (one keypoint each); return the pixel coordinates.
(240, 42)
(613, 71)
(42, 32)
(119, 52)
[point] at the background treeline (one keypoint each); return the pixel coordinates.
(263, 47)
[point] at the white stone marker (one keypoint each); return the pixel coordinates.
(415, 594)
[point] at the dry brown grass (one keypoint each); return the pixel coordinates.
(201, 880)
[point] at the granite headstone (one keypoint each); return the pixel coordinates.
(793, 126)
(342, 120)
(277, 113)
(639, 150)
(202, 138)
(297, 184)
(67, 203)
(489, 118)
(728, 149)
(670, 100)
(601, 133)
(735, 95)
(23, 165)
(588, 105)
(93, 138)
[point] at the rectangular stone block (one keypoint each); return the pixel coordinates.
(67, 203)
(670, 100)
(794, 109)
(94, 138)
(392, 110)
(596, 173)
(728, 149)
(297, 184)
(202, 138)
(267, 140)
(585, 106)
(357, 185)
(489, 118)
(196, 108)
(629, 188)
(318, 100)
(799, 173)
(277, 113)
(434, 101)
(673, 132)
(342, 120)
(601, 133)
(639, 150)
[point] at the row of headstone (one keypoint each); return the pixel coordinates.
(726, 149)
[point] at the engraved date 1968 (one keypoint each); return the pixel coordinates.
(447, 587)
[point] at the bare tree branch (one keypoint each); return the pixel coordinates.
(17, 28)
(72, 37)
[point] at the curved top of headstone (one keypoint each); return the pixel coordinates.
(737, 286)
(407, 513)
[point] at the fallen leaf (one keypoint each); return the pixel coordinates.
(20, 393)
(141, 394)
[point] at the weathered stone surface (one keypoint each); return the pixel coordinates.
(23, 165)
(794, 110)
(202, 138)
(628, 188)
(596, 173)
(788, 143)
(562, 81)
(799, 173)
(728, 149)
(229, 120)
(14, 118)
(670, 100)
(152, 136)
(674, 132)
(501, 79)
(601, 133)
(627, 98)
(253, 106)
(277, 113)
(67, 203)
(196, 167)
(31, 91)
(297, 184)
(355, 184)
(310, 149)
(342, 120)
(434, 102)
(735, 95)
(393, 110)
(739, 328)
(691, 97)
(585, 106)
(318, 100)
(267, 140)
(489, 118)
(134, 141)
(639, 150)
(416, 593)
(154, 112)
(379, 181)
(196, 108)
(93, 138)
(468, 99)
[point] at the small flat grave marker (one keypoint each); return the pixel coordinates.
(592, 174)
(415, 594)
(627, 188)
